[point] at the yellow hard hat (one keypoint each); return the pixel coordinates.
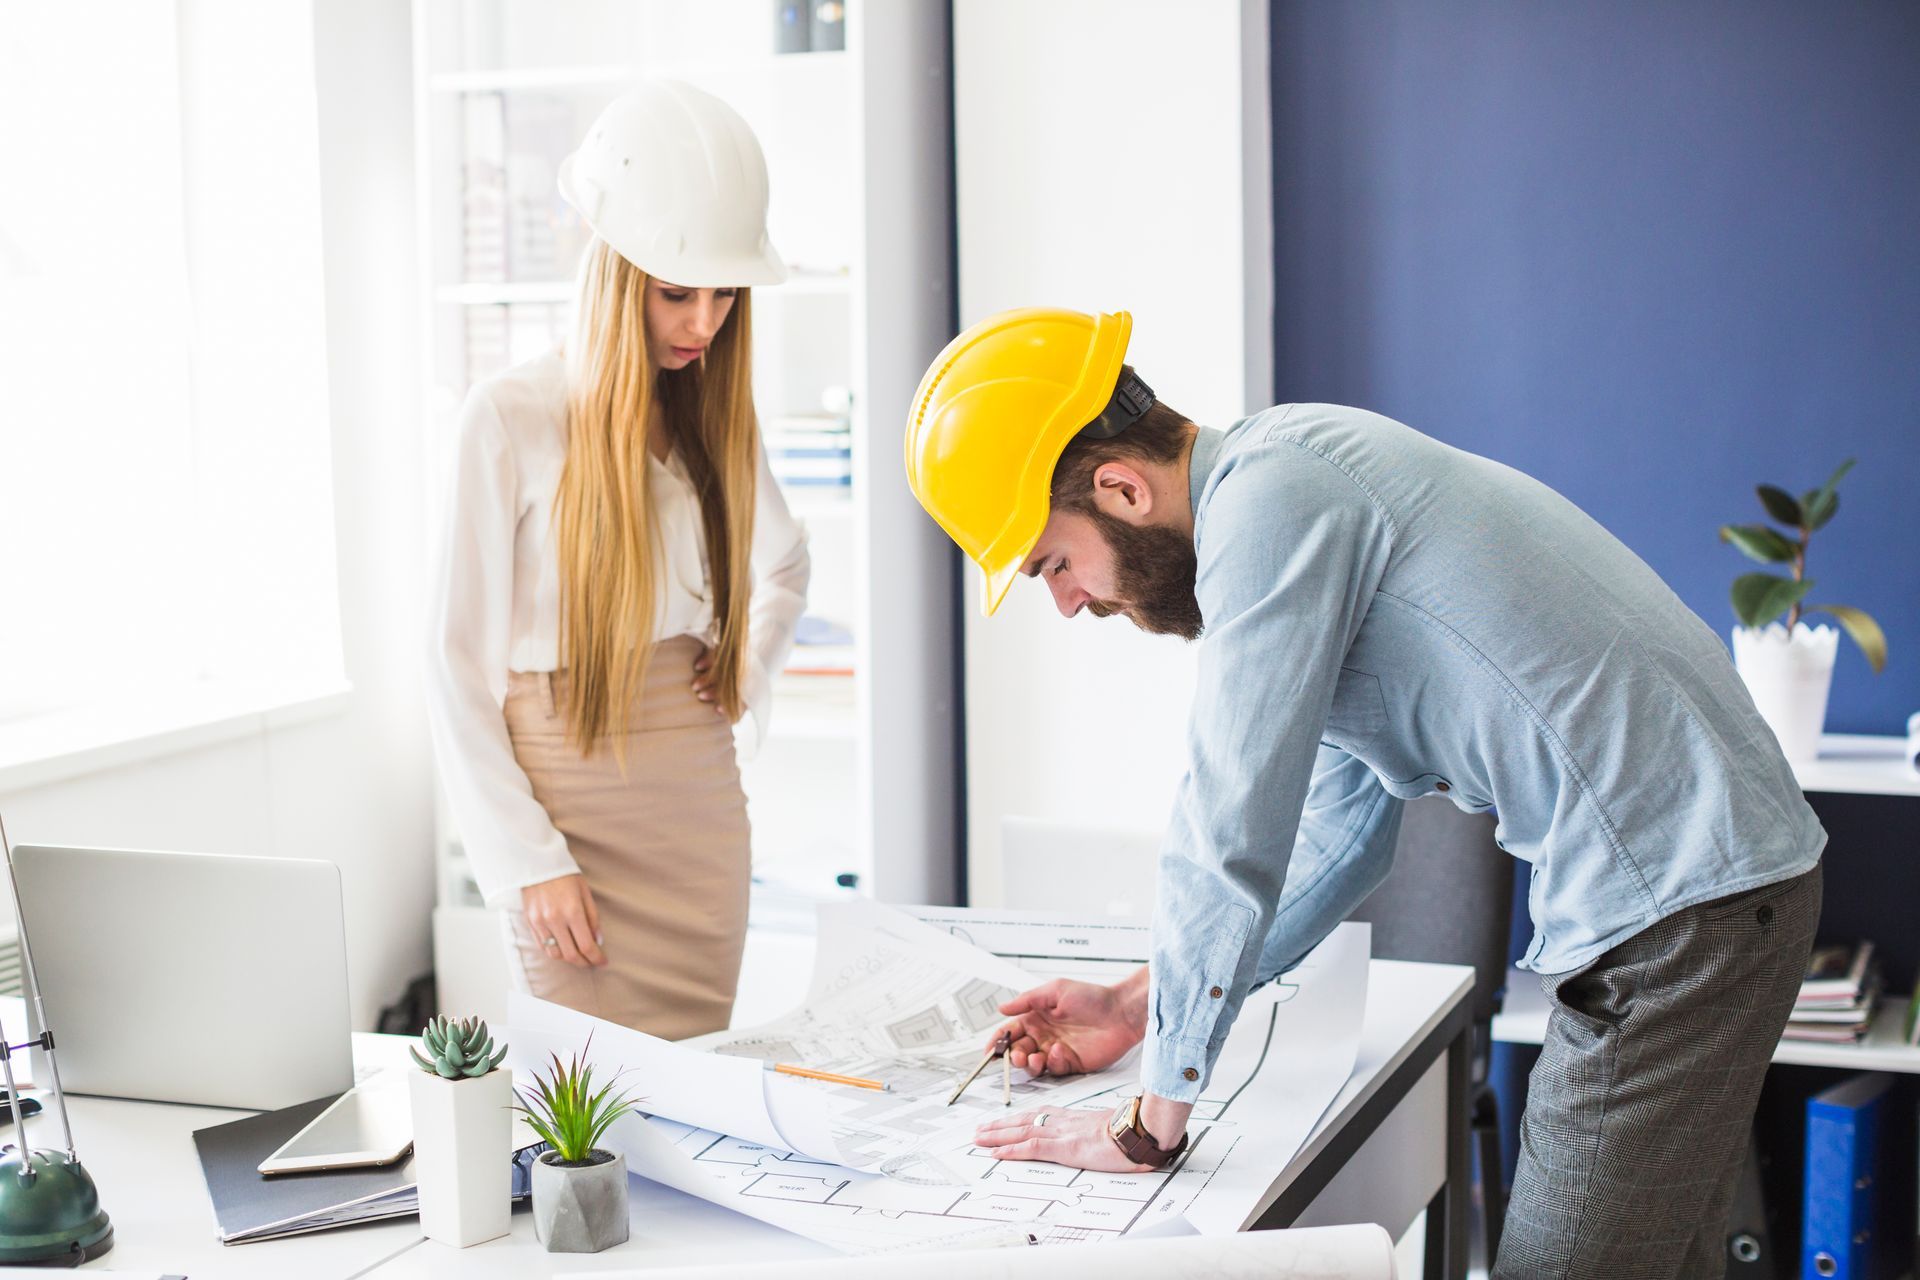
(993, 415)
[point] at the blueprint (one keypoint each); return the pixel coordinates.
(911, 1002)
(901, 1001)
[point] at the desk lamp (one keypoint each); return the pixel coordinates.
(50, 1212)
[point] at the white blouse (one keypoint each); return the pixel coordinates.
(493, 603)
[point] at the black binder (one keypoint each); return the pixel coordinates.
(251, 1206)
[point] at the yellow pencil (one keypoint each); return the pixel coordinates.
(788, 1069)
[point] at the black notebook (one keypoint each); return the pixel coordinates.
(251, 1206)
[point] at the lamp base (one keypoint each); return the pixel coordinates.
(50, 1212)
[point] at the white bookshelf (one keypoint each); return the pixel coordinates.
(1848, 764)
(1523, 1020)
(857, 774)
(1860, 765)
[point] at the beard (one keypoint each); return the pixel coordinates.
(1153, 572)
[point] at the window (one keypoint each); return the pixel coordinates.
(166, 523)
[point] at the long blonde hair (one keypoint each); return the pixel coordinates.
(607, 529)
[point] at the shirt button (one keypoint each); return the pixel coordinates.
(1441, 786)
(1190, 1074)
(1216, 993)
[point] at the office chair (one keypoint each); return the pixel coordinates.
(1447, 901)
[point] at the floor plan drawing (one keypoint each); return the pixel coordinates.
(911, 1003)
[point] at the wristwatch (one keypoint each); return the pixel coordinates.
(1135, 1143)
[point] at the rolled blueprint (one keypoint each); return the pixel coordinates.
(1315, 1253)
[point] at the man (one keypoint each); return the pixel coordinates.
(1387, 617)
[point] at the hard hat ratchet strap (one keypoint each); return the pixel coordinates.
(1131, 398)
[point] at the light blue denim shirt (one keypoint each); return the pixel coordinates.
(1388, 617)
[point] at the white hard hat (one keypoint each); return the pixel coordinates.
(673, 179)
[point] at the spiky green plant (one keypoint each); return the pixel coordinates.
(563, 1109)
(457, 1050)
(1759, 598)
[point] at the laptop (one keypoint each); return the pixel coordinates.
(190, 977)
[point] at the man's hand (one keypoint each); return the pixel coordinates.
(1063, 1027)
(1074, 1137)
(563, 910)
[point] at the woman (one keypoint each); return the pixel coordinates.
(617, 580)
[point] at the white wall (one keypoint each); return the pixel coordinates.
(1112, 155)
(908, 795)
(354, 786)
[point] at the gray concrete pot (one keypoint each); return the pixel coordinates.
(583, 1208)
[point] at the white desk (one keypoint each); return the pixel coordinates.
(1404, 1083)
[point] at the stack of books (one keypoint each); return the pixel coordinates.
(1838, 996)
(811, 452)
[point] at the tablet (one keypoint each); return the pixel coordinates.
(369, 1125)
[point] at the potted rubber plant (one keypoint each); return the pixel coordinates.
(462, 1132)
(579, 1190)
(1788, 665)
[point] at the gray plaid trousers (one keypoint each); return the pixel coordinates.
(1639, 1109)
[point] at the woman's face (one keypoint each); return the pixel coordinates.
(681, 322)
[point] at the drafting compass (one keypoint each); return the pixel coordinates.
(998, 1050)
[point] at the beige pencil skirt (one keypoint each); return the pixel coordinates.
(664, 849)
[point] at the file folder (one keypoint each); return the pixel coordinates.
(1839, 1240)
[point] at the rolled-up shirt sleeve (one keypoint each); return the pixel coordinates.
(781, 567)
(1291, 550)
(509, 839)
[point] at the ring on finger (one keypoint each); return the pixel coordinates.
(553, 942)
(1041, 1121)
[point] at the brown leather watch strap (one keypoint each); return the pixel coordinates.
(1135, 1143)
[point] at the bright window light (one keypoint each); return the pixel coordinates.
(166, 512)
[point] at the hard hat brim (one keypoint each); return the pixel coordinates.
(998, 583)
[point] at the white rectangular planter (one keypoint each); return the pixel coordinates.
(463, 1154)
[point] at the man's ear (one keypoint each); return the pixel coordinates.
(1121, 491)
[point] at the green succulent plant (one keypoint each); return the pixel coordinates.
(1760, 598)
(565, 1111)
(457, 1050)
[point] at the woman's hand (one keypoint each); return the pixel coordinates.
(1063, 1028)
(703, 681)
(565, 921)
(1076, 1138)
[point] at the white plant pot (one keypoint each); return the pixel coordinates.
(463, 1155)
(1789, 678)
(580, 1208)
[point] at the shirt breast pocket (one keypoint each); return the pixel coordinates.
(1359, 712)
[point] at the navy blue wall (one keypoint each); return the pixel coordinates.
(1650, 253)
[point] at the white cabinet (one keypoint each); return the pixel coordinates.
(857, 778)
